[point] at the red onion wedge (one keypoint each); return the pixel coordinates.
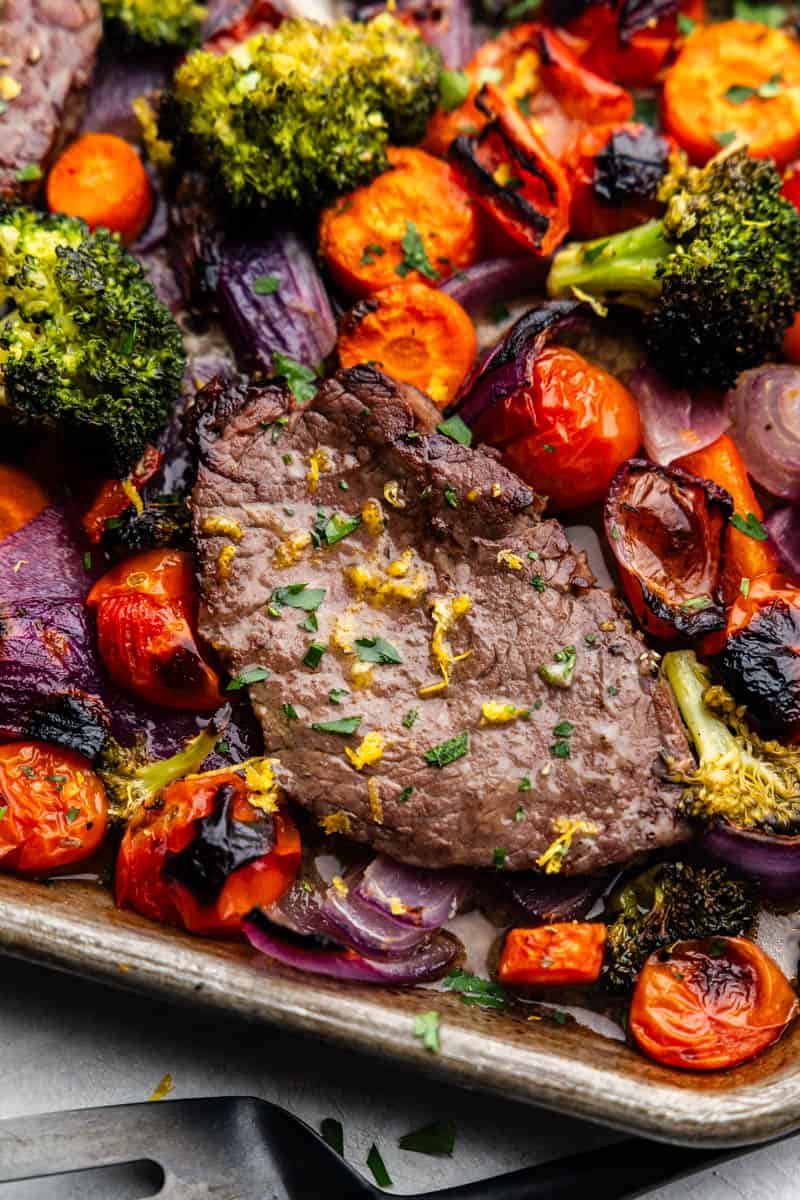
(674, 422)
(783, 526)
(431, 961)
(770, 859)
(544, 899)
(412, 896)
(496, 279)
(765, 414)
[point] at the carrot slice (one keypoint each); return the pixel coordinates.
(735, 79)
(100, 178)
(21, 499)
(414, 333)
(570, 952)
(416, 217)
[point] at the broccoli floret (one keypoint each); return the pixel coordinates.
(86, 347)
(740, 777)
(165, 521)
(131, 781)
(719, 275)
(304, 113)
(157, 22)
(669, 903)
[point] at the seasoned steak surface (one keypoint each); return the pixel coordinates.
(576, 782)
(48, 50)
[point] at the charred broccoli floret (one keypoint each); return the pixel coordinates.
(157, 22)
(86, 347)
(669, 903)
(304, 113)
(739, 777)
(720, 274)
(165, 521)
(131, 781)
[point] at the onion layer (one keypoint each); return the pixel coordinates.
(783, 525)
(765, 412)
(769, 859)
(673, 422)
(496, 279)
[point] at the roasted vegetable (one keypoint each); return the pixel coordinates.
(302, 114)
(719, 275)
(615, 172)
(739, 778)
(157, 22)
(86, 348)
(570, 952)
(758, 654)
(666, 529)
(101, 179)
(667, 903)
(164, 522)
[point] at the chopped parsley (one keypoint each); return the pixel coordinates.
(426, 1027)
(378, 1167)
(750, 526)
(310, 625)
(333, 1134)
(696, 604)
(29, 772)
(277, 427)
(438, 1138)
(73, 814)
(739, 93)
(450, 496)
(289, 711)
(343, 485)
(405, 795)
(410, 717)
(297, 595)
(563, 731)
(766, 14)
(87, 560)
(328, 531)
(266, 285)
(415, 256)
(499, 857)
(313, 655)
(254, 674)
(524, 784)
(223, 746)
(686, 25)
(370, 251)
(453, 89)
(724, 137)
(472, 989)
(560, 749)
(519, 815)
(335, 695)
(301, 380)
(456, 430)
(612, 689)
(744, 586)
(29, 173)
(538, 583)
(344, 726)
(3, 811)
(376, 650)
(447, 752)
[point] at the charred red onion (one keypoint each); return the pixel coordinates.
(674, 422)
(769, 859)
(765, 413)
(544, 899)
(422, 899)
(783, 525)
(496, 279)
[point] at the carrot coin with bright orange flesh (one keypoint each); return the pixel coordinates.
(705, 1005)
(100, 178)
(735, 79)
(415, 219)
(21, 499)
(414, 333)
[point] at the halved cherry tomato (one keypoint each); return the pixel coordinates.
(21, 499)
(570, 952)
(614, 172)
(744, 556)
(146, 631)
(53, 808)
(569, 431)
(633, 60)
(115, 495)
(710, 1004)
(227, 882)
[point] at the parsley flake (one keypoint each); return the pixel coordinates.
(301, 380)
(289, 711)
(73, 814)
(333, 1134)
(29, 173)
(297, 595)
(519, 815)
(453, 89)
(254, 674)
(451, 496)
(472, 989)
(266, 285)
(405, 795)
(750, 526)
(438, 1138)
(376, 650)
(344, 726)
(335, 695)
(524, 784)
(499, 857)
(415, 256)
(456, 430)
(378, 1167)
(410, 717)
(313, 655)
(426, 1027)
(447, 752)
(3, 811)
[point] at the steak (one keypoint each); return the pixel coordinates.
(564, 768)
(48, 50)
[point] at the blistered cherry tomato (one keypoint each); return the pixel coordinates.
(146, 621)
(710, 1004)
(53, 808)
(205, 890)
(568, 432)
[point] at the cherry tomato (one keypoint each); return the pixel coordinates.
(569, 431)
(53, 808)
(112, 499)
(634, 61)
(709, 1004)
(569, 952)
(146, 882)
(146, 613)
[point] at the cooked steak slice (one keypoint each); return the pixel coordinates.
(48, 50)
(574, 782)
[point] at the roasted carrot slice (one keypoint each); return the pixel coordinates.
(737, 79)
(100, 178)
(571, 952)
(21, 499)
(415, 218)
(414, 333)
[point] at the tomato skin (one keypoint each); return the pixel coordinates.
(568, 952)
(168, 829)
(706, 1005)
(112, 499)
(568, 432)
(634, 63)
(55, 808)
(146, 631)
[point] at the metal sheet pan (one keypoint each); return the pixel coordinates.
(75, 927)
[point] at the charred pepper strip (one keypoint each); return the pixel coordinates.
(513, 176)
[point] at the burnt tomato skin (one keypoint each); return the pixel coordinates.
(666, 529)
(614, 173)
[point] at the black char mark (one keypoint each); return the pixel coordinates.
(761, 667)
(630, 166)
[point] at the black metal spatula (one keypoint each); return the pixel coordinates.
(237, 1148)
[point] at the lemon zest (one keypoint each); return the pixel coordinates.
(391, 494)
(510, 559)
(336, 822)
(552, 860)
(495, 712)
(225, 561)
(130, 491)
(339, 885)
(446, 610)
(289, 551)
(369, 752)
(372, 516)
(318, 461)
(263, 791)
(375, 805)
(226, 526)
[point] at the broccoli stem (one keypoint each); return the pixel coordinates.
(624, 262)
(689, 682)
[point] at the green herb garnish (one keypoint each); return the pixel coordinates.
(344, 726)
(289, 711)
(415, 256)
(410, 717)
(474, 990)
(333, 1134)
(338, 527)
(405, 795)
(524, 784)
(378, 1167)
(302, 381)
(335, 695)
(456, 430)
(73, 814)
(246, 676)
(376, 650)
(297, 595)
(29, 173)
(438, 1138)
(313, 655)
(453, 89)
(266, 285)
(451, 496)
(426, 1026)
(559, 672)
(447, 752)
(750, 526)
(499, 857)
